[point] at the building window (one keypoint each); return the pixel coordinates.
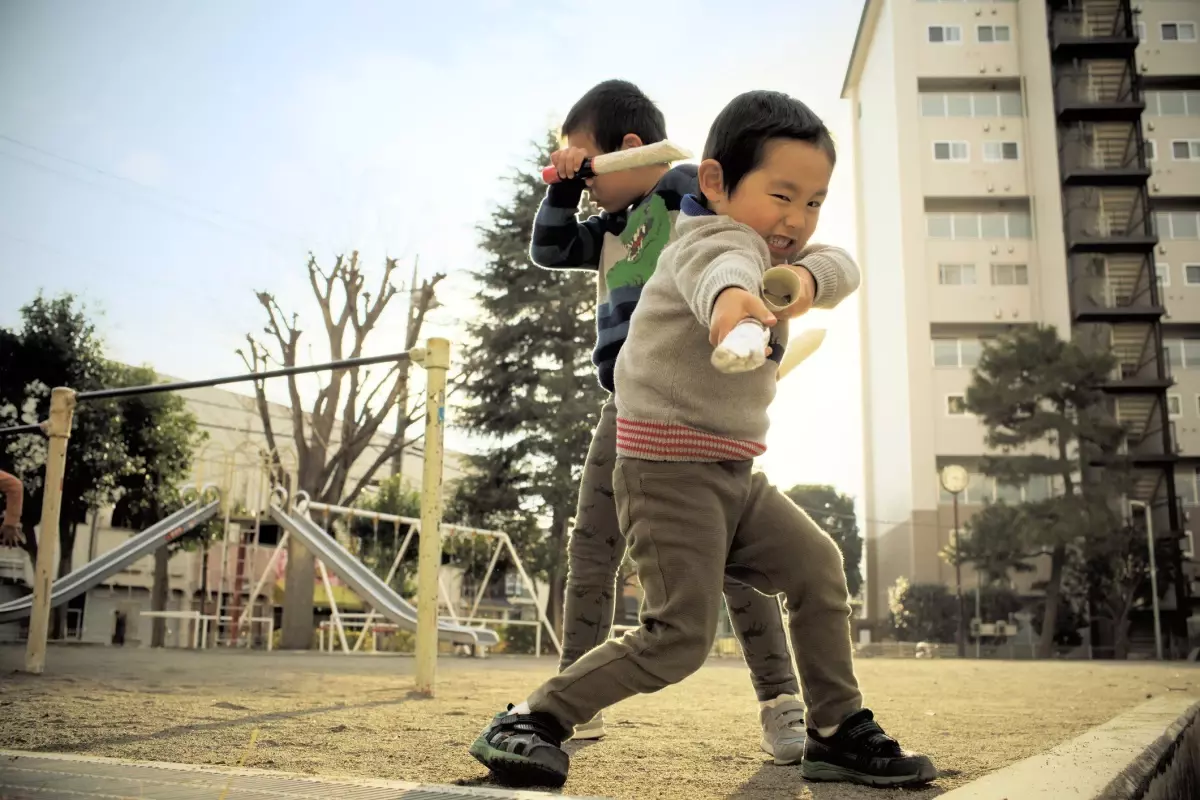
(1163, 273)
(982, 489)
(956, 405)
(945, 34)
(970, 104)
(956, 353)
(1010, 275)
(1183, 353)
(956, 274)
(1141, 31)
(1001, 151)
(1178, 31)
(951, 151)
(1151, 150)
(988, 34)
(1185, 150)
(1177, 224)
(1176, 103)
(1174, 405)
(971, 225)
(1191, 274)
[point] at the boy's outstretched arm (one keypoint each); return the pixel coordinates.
(836, 274)
(560, 240)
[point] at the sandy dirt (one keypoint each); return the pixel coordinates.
(337, 715)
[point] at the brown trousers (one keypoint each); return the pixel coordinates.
(594, 555)
(688, 525)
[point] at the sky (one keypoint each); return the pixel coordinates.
(165, 161)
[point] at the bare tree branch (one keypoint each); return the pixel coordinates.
(287, 347)
(384, 456)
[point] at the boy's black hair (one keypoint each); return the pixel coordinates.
(739, 133)
(612, 109)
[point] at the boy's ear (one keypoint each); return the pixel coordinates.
(711, 179)
(631, 140)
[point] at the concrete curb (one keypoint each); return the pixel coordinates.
(1119, 760)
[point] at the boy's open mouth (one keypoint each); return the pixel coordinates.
(780, 244)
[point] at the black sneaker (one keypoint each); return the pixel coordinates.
(523, 749)
(860, 752)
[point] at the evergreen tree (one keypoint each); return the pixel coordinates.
(529, 381)
(1041, 399)
(834, 512)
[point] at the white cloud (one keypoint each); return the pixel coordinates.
(143, 166)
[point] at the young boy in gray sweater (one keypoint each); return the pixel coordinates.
(688, 501)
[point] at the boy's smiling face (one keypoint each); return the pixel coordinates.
(781, 198)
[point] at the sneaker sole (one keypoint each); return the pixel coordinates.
(517, 770)
(589, 733)
(782, 762)
(820, 771)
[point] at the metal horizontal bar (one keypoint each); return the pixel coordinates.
(17, 430)
(346, 363)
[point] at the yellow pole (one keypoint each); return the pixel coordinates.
(436, 361)
(62, 410)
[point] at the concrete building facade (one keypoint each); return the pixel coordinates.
(1017, 162)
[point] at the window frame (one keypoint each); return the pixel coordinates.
(1012, 266)
(961, 267)
(1178, 412)
(950, 143)
(949, 406)
(994, 27)
(1000, 143)
(1193, 147)
(1187, 264)
(944, 28)
(1179, 24)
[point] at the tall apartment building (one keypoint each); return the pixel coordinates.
(1023, 161)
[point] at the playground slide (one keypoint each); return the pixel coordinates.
(369, 586)
(143, 544)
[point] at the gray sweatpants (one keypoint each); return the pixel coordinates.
(594, 554)
(688, 526)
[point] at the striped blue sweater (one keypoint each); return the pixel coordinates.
(622, 248)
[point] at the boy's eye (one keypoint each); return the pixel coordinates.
(814, 204)
(782, 197)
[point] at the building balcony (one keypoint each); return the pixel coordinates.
(1108, 220)
(1103, 154)
(1114, 290)
(1098, 91)
(1092, 29)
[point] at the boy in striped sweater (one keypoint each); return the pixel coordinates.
(623, 245)
(688, 501)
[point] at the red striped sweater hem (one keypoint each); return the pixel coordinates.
(658, 441)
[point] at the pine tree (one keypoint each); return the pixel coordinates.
(529, 380)
(1041, 399)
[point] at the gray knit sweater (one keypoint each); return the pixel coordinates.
(672, 404)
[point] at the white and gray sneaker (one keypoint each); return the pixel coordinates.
(594, 728)
(783, 731)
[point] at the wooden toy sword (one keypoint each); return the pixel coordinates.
(663, 152)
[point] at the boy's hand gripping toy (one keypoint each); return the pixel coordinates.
(745, 347)
(663, 152)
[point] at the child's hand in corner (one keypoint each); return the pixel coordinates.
(807, 293)
(734, 305)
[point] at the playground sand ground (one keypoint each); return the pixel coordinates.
(338, 715)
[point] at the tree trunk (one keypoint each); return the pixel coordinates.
(158, 596)
(299, 582)
(1058, 559)
(1121, 639)
(556, 573)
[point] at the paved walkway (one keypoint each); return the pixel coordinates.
(51, 776)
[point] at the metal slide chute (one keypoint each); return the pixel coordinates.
(369, 586)
(104, 566)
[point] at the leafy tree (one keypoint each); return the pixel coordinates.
(922, 612)
(528, 376)
(834, 512)
(348, 411)
(1032, 388)
(160, 436)
(57, 345)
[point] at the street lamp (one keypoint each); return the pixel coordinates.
(1158, 646)
(955, 480)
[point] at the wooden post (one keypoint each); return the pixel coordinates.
(62, 411)
(436, 361)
